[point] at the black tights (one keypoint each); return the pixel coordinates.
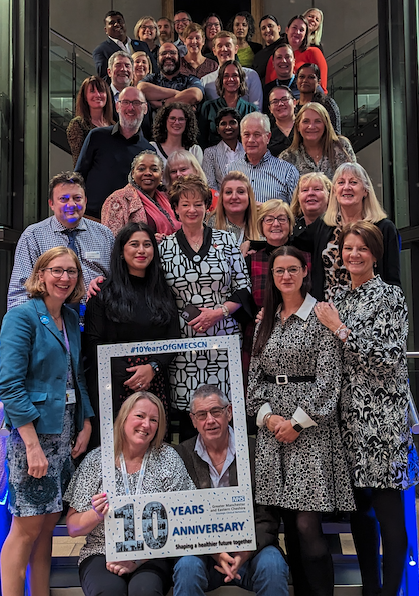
(389, 513)
(309, 557)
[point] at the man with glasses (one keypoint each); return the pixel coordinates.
(169, 85)
(181, 21)
(107, 153)
(283, 63)
(210, 459)
(270, 177)
(224, 47)
(117, 39)
(91, 241)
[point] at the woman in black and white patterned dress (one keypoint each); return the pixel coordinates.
(371, 320)
(205, 269)
(293, 388)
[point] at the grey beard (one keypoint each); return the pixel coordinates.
(131, 124)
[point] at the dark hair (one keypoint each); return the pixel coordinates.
(190, 134)
(283, 44)
(370, 234)
(118, 295)
(219, 85)
(113, 13)
(65, 178)
(268, 16)
(83, 108)
(312, 66)
(284, 87)
(304, 43)
(190, 184)
(249, 20)
(187, 13)
(273, 297)
(211, 14)
(226, 112)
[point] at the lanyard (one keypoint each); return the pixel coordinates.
(67, 343)
(125, 475)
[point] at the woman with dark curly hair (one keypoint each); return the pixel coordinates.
(230, 86)
(243, 27)
(175, 128)
(93, 110)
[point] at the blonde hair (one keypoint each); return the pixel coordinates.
(307, 178)
(250, 216)
(36, 287)
(141, 53)
(329, 137)
(140, 22)
(185, 156)
(118, 429)
(315, 38)
(273, 206)
(371, 208)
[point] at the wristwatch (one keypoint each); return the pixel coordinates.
(155, 366)
(342, 332)
(297, 427)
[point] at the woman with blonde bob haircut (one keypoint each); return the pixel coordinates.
(143, 464)
(352, 199)
(310, 199)
(315, 146)
(236, 210)
(47, 411)
(142, 66)
(146, 30)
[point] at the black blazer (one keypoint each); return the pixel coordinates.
(104, 51)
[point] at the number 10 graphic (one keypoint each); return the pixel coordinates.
(155, 527)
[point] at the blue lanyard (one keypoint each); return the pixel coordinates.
(125, 475)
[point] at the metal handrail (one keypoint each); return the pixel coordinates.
(350, 43)
(72, 43)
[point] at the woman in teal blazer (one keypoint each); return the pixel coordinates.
(47, 410)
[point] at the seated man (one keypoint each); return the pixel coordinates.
(270, 177)
(169, 85)
(225, 48)
(210, 459)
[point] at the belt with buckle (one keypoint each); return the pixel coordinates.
(284, 379)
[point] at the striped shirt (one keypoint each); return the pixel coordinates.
(271, 178)
(94, 243)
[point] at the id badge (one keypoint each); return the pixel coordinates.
(70, 396)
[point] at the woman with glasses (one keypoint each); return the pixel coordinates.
(175, 128)
(194, 63)
(281, 106)
(47, 410)
(308, 84)
(146, 30)
(294, 388)
(212, 25)
(231, 86)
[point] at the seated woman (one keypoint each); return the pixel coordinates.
(243, 27)
(316, 147)
(134, 304)
(47, 410)
(294, 389)
(236, 210)
(308, 84)
(175, 128)
(146, 30)
(140, 200)
(310, 199)
(275, 222)
(281, 104)
(139, 451)
(218, 157)
(194, 63)
(231, 86)
(370, 319)
(314, 18)
(182, 163)
(352, 199)
(142, 67)
(93, 110)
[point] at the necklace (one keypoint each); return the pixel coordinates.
(55, 318)
(220, 462)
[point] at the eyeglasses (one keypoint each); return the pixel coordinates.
(282, 101)
(280, 272)
(182, 21)
(135, 103)
(145, 27)
(213, 25)
(269, 219)
(215, 413)
(58, 272)
(168, 53)
(173, 119)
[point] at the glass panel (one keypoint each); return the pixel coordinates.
(5, 124)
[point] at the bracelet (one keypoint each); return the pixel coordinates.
(266, 418)
(341, 326)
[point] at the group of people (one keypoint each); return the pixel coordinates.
(204, 231)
